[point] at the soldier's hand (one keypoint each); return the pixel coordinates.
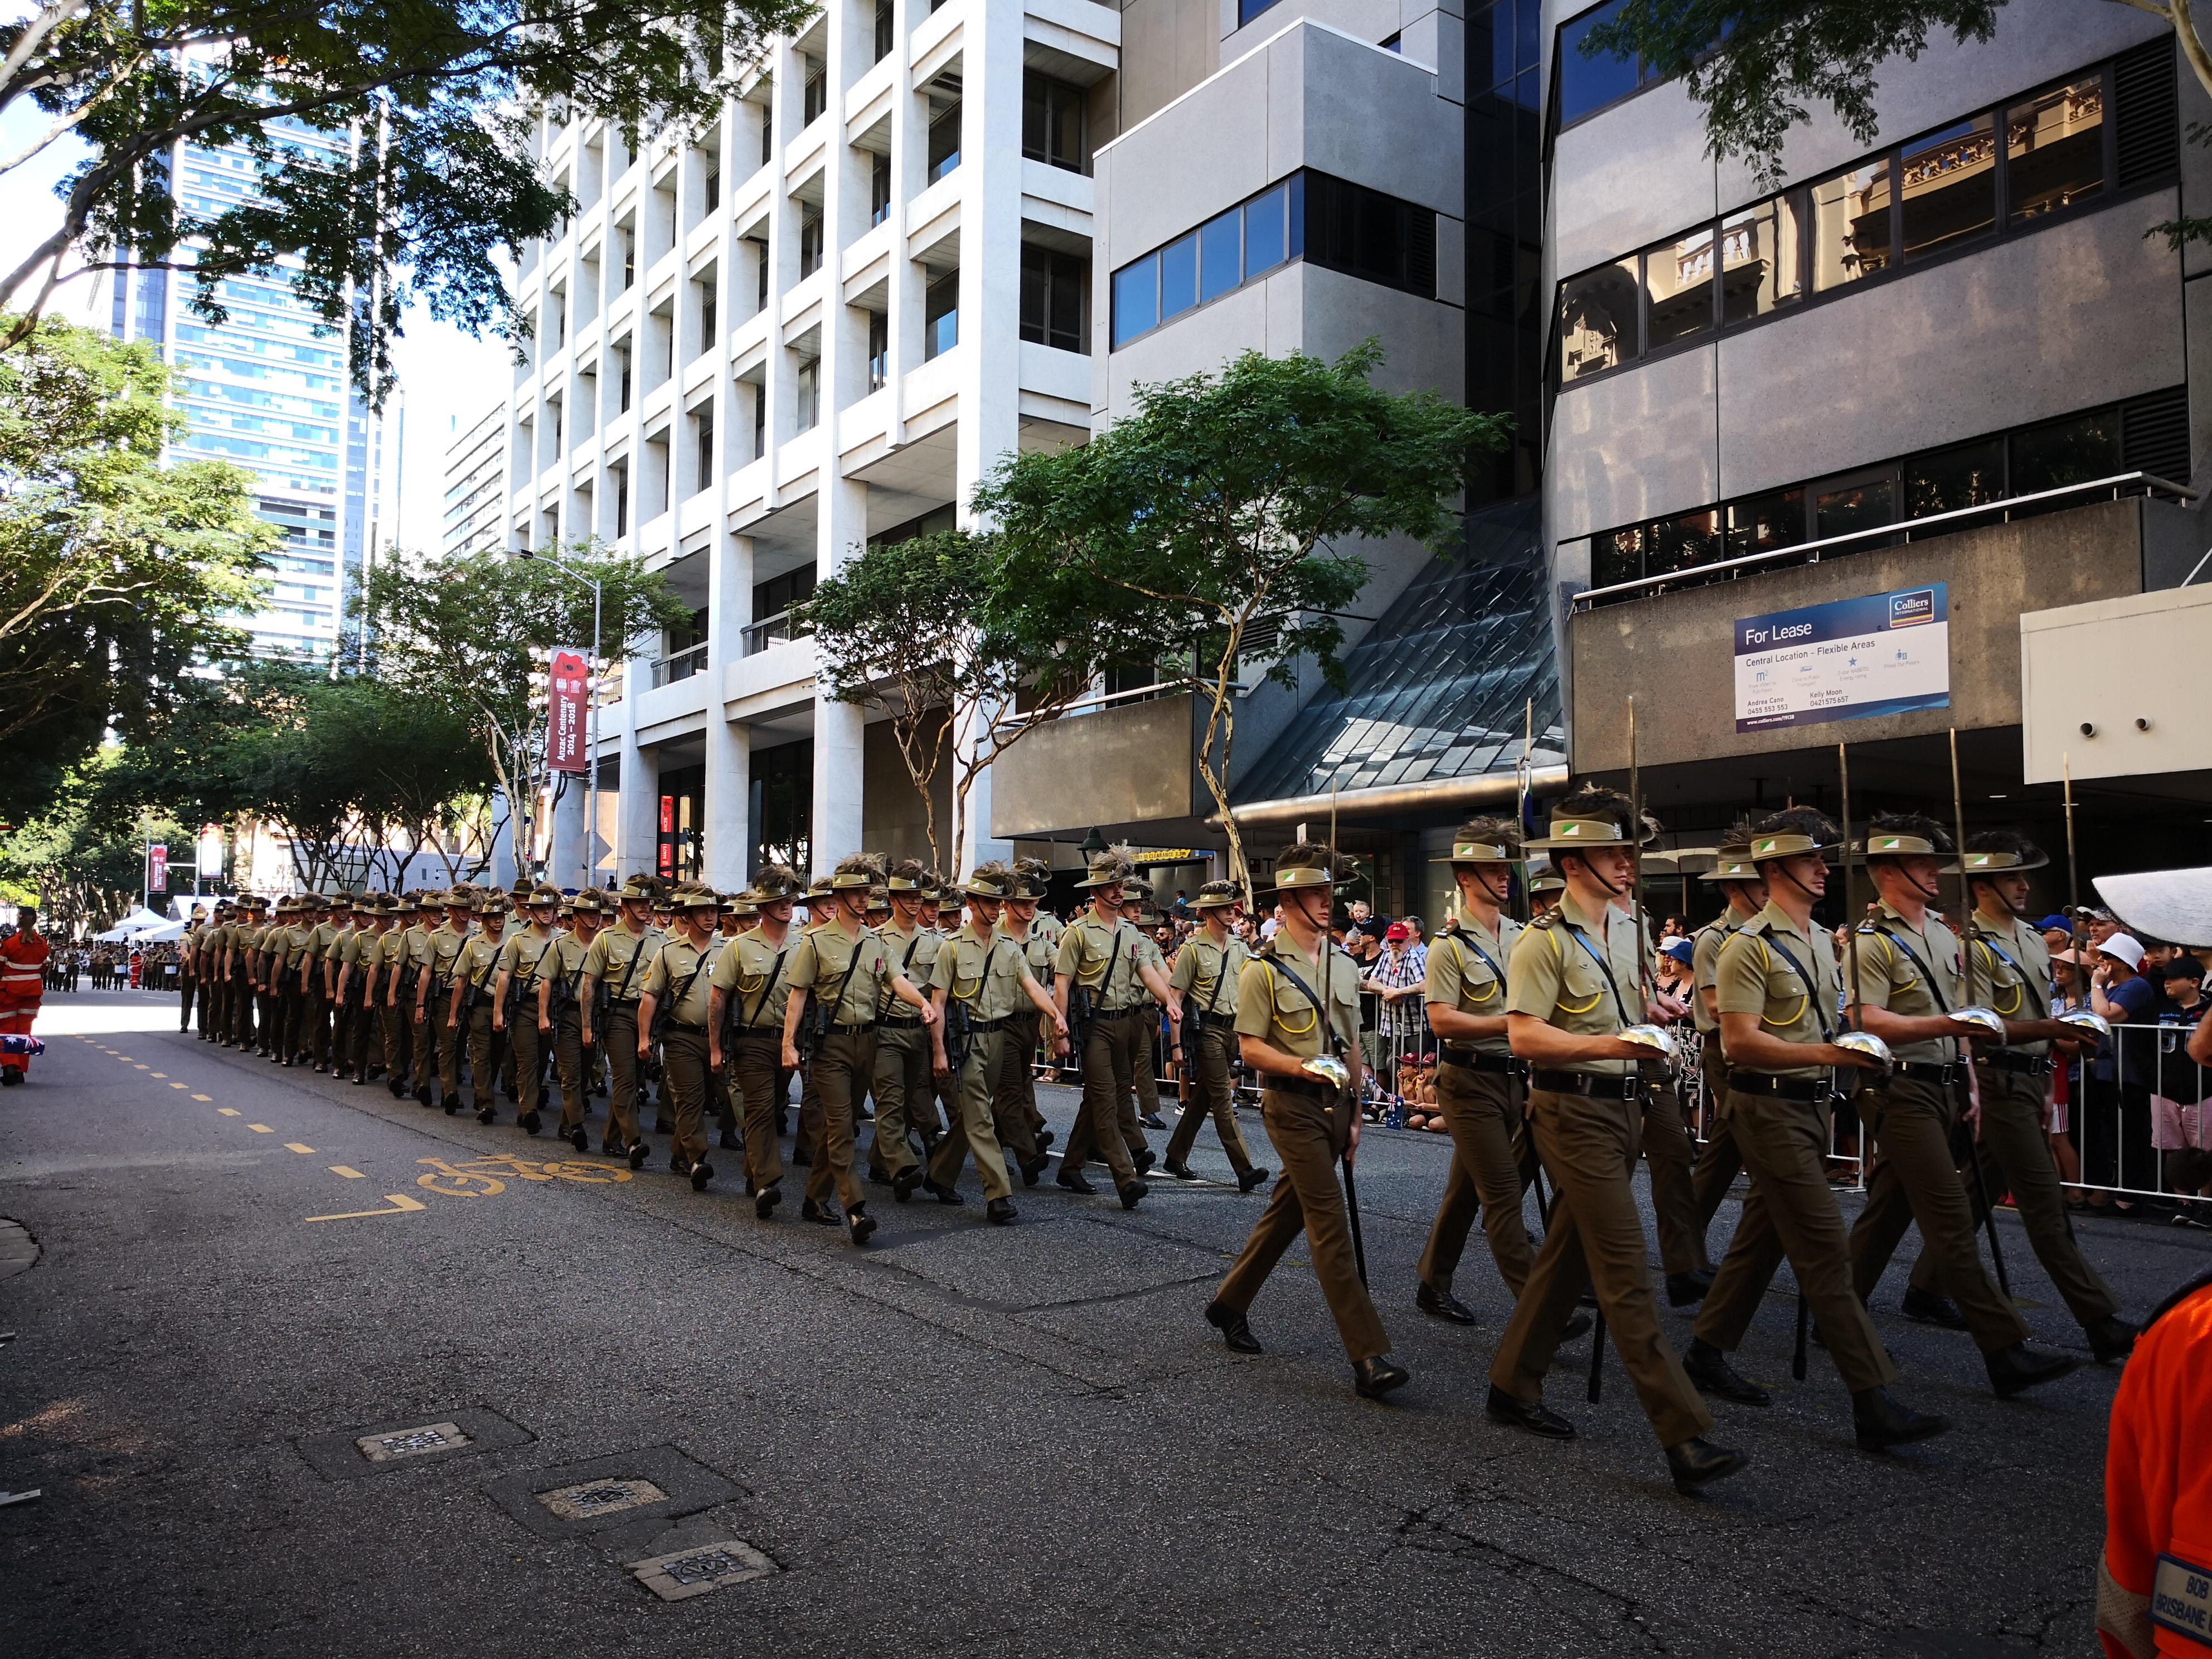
(644, 1048)
(498, 1021)
(586, 1038)
(941, 1067)
(1059, 1033)
(929, 1015)
(790, 1057)
(714, 1057)
(544, 1026)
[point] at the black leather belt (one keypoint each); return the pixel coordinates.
(901, 1022)
(1597, 1085)
(1811, 1091)
(1475, 1059)
(686, 1025)
(1102, 1015)
(760, 1034)
(2008, 1059)
(853, 1030)
(998, 1025)
(1311, 1088)
(1927, 1071)
(621, 1002)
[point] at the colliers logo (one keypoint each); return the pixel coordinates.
(1909, 609)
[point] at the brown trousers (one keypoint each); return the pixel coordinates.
(1309, 1138)
(684, 1059)
(527, 1045)
(1482, 1110)
(903, 1086)
(842, 1067)
(2014, 1149)
(1109, 1056)
(568, 1041)
(1719, 1161)
(973, 1129)
(487, 1048)
(1206, 1056)
(617, 1040)
(1013, 1102)
(1791, 1211)
(761, 1088)
(1589, 1146)
(1916, 1180)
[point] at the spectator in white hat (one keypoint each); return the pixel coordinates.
(2116, 1134)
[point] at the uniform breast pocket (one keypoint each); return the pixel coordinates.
(1294, 1011)
(1581, 985)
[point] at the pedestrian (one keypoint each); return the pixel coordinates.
(902, 1084)
(1021, 1127)
(1205, 973)
(1298, 1010)
(23, 957)
(2116, 1134)
(471, 1010)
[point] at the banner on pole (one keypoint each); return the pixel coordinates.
(568, 683)
(157, 867)
(209, 867)
(1884, 653)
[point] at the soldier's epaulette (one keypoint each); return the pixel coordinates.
(1549, 919)
(1868, 928)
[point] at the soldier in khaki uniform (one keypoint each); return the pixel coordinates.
(679, 998)
(1298, 1001)
(1744, 892)
(254, 1012)
(745, 1024)
(208, 956)
(318, 980)
(396, 992)
(1777, 986)
(1204, 974)
(904, 1088)
(741, 915)
(524, 959)
(472, 1012)
(1479, 1083)
(559, 1015)
(1574, 984)
(821, 907)
(1910, 977)
(1022, 1128)
(435, 1036)
(614, 966)
(1103, 955)
(2013, 965)
(977, 980)
(351, 986)
(188, 979)
(845, 966)
(1143, 1112)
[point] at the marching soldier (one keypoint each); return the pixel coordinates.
(1100, 963)
(1777, 986)
(1300, 1001)
(739, 916)
(1206, 973)
(844, 968)
(559, 1014)
(1021, 1127)
(1479, 1083)
(1745, 893)
(187, 974)
(355, 971)
(437, 1043)
(523, 961)
(1910, 978)
(904, 1088)
(215, 987)
(1574, 984)
(613, 969)
(677, 1006)
(821, 907)
(395, 961)
(744, 1025)
(285, 965)
(977, 980)
(319, 977)
(1139, 912)
(1546, 885)
(471, 1014)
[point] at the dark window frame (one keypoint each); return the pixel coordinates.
(1053, 89)
(1056, 269)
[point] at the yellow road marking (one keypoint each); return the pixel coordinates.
(400, 1203)
(227, 1111)
(295, 1146)
(261, 1128)
(202, 1097)
(350, 1174)
(140, 1067)
(157, 1074)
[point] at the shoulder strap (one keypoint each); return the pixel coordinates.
(1220, 973)
(697, 969)
(1320, 1008)
(1106, 979)
(2026, 978)
(1811, 991)
(1496, 972)
(768, 985)
(1904, 944)
(622, 994)
(1582, 940)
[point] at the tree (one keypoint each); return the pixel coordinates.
(416, 765)
(432, 102)
(116, 573)
(903, 627)
(474, 631)
(79, 861)
(1229, 503)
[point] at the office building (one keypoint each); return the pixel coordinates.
(475, 484)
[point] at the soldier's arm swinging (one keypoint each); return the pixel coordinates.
(718, 1008)
(646, 1003)
(1542, 1043)
(794, 1012)
(1746, 1044)
(545, 1005)
(586, 992)
(499, 998)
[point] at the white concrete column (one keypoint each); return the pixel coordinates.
(565, 851)
(728, 833)
(637, 799)
(839, 769)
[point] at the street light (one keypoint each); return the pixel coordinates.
(590, 861)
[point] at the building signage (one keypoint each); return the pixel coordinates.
(157, 867)
(1884, 654)
(567, 685)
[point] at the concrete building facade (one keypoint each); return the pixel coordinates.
(475, 515)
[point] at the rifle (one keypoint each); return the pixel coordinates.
(1081, 1009)
(823, 1014)
(665, 1015)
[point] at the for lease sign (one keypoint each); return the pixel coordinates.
(1883, 653)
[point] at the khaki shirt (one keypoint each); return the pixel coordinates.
(1049, 927)
(1753, 978)
(477, 962)
(446, 945)
(1271, 1008)
(1463, 963)
(564, 969)
(982, 970)
(417, 935)
(752, 977)
(1207, 974)
(1889, 978)
(324, 938)
(682, 971)
(2013, 965)
(913, 954)
(612, 956)
(1704, 965)
(1148, 956)
(525, 955)
(827, 957)
(1553, 975)
(1085, 949)
(1038, 950)
(391, 947)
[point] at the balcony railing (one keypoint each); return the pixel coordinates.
(2115, 488)
(681, 666)
(778, 629)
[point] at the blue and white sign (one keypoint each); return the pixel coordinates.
(1885, 654)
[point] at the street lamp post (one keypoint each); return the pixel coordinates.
(590, 861)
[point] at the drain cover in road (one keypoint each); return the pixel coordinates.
(702, 1570)
(650, 1483)
(596, 1497)
(412, 1443)
(406, 1443)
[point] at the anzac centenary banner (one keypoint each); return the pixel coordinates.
(568, 684)
(1884, 653)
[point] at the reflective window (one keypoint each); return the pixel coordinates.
(1248, 9)
(1851, 226)
(944, 144)
(1178, 278)
(1598, 320)
(1267, 241)
(1136, 298)
(1229, 250)
(1055, 292)
(1762, 260)
(1367, 234)
(1053, 122)
(2068, 451)
(1949, 187)
(1616, 557)
(940, 316)
(1843, 506)
(1683, 543)
(1947, 480)
(1587, 83)
(1679, 279)
(2055, 149)
(1759, 524)
(1221, 254)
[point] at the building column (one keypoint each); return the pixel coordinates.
(637, 793)
(840, 771)
(565, 849)
(728, 829)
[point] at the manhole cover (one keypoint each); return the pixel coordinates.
(412, 1442)
(698, 1570)
(596, 1497)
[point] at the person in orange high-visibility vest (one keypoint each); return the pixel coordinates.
(22, 984)
(2155, 1584)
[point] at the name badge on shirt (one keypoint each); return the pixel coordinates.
(2181, 1598)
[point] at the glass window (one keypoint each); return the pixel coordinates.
(1178, 278)
(944, 144)
(1851, 226)
(2069, 451)
(1053, 122)
(1950, 479)
(1759, 524)
(1248, 9)
(1597, 320)
(1220, 254)
(1588, 83)
(1684, 542)
(1949, 187)
(814, 95)
(809, 395)
(879, 189)
(1616, 557)
(2055, 149)
(940, 316)
(879, 350)
(884, 34)
(1136, 298)
(1054, 287)
(1843, 505)
(1267, 241)
(1762, 260)
(1679, 278)
(810, 239)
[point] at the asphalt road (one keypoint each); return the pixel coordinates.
(965, 1439)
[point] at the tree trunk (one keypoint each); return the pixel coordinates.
(1221, 723)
